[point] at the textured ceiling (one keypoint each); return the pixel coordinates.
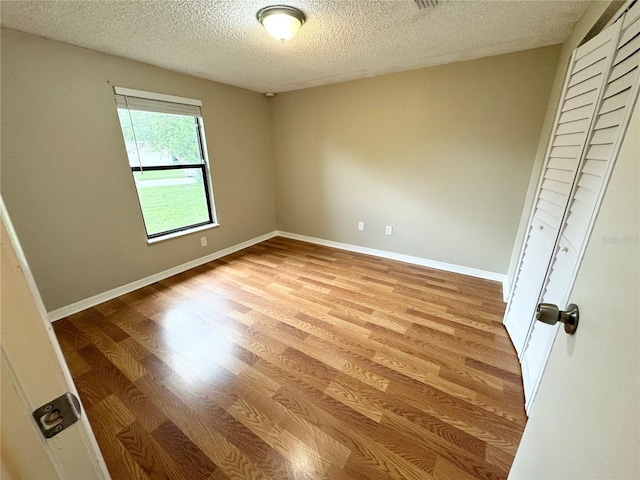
(342, 40)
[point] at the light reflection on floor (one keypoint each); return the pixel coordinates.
(197, 351)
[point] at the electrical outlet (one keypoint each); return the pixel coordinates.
(388, 230)
(203, 241)
(361, 226)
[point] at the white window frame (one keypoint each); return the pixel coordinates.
(192, 108)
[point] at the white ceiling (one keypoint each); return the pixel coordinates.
(342, 40)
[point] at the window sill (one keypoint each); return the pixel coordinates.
(151, 241)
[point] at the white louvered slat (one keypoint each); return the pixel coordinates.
(590, 59)
(604, 136)
(525, 275)
(616, 102)
(610, 119)
(538, 247)
(528, 278)
(573, 233)
(547, 218)
(560, 277)
(566, 152)
(632, 15)
(620, 84)
(553, 197)
(534, 255)
(522, 282)
(599, 152)
(629, 49)
(552, 296)
(566, 252)
(595, 167)
(624, 67)
(580, 209)
(538, 227)
(581, 100)
(559, 175)
(528, 270)
(547, 234)
(521, 306)
(559, 270)
(629, 32)
(570, 139)
(550, 208)
(596, 69)
(578, 126)
(583, 87)
(576, 229)
(557, 187)
(587, 197)
(590, 182)
(562, 163)
(591, 45)
(583, 113)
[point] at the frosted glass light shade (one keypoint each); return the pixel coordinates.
(280, 21)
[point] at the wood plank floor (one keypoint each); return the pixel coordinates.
(294, 361)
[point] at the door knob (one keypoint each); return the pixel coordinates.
(550, 314)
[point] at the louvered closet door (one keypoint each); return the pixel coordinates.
(582, 90)
(611, 121)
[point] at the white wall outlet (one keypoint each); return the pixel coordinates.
(361, 226)
(388, 230)
(203, 241)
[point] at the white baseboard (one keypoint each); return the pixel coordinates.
(143, 282)
(424, 262)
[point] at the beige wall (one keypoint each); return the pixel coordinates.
(442, 154)
(585, 423)
(65, 176)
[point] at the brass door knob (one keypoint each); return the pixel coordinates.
(550, 314)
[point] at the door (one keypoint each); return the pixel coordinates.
(34, 373)
(609, 127)
(586, 420)
(582, 90)
(579, 163)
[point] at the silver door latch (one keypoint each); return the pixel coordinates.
(55, 416)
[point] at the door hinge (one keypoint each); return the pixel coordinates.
(55, 416)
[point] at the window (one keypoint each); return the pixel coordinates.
(164, 138)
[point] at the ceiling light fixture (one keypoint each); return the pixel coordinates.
(280, 21)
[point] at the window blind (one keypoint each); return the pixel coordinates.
(154, 102)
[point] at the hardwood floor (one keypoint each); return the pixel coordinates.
(293, 361)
